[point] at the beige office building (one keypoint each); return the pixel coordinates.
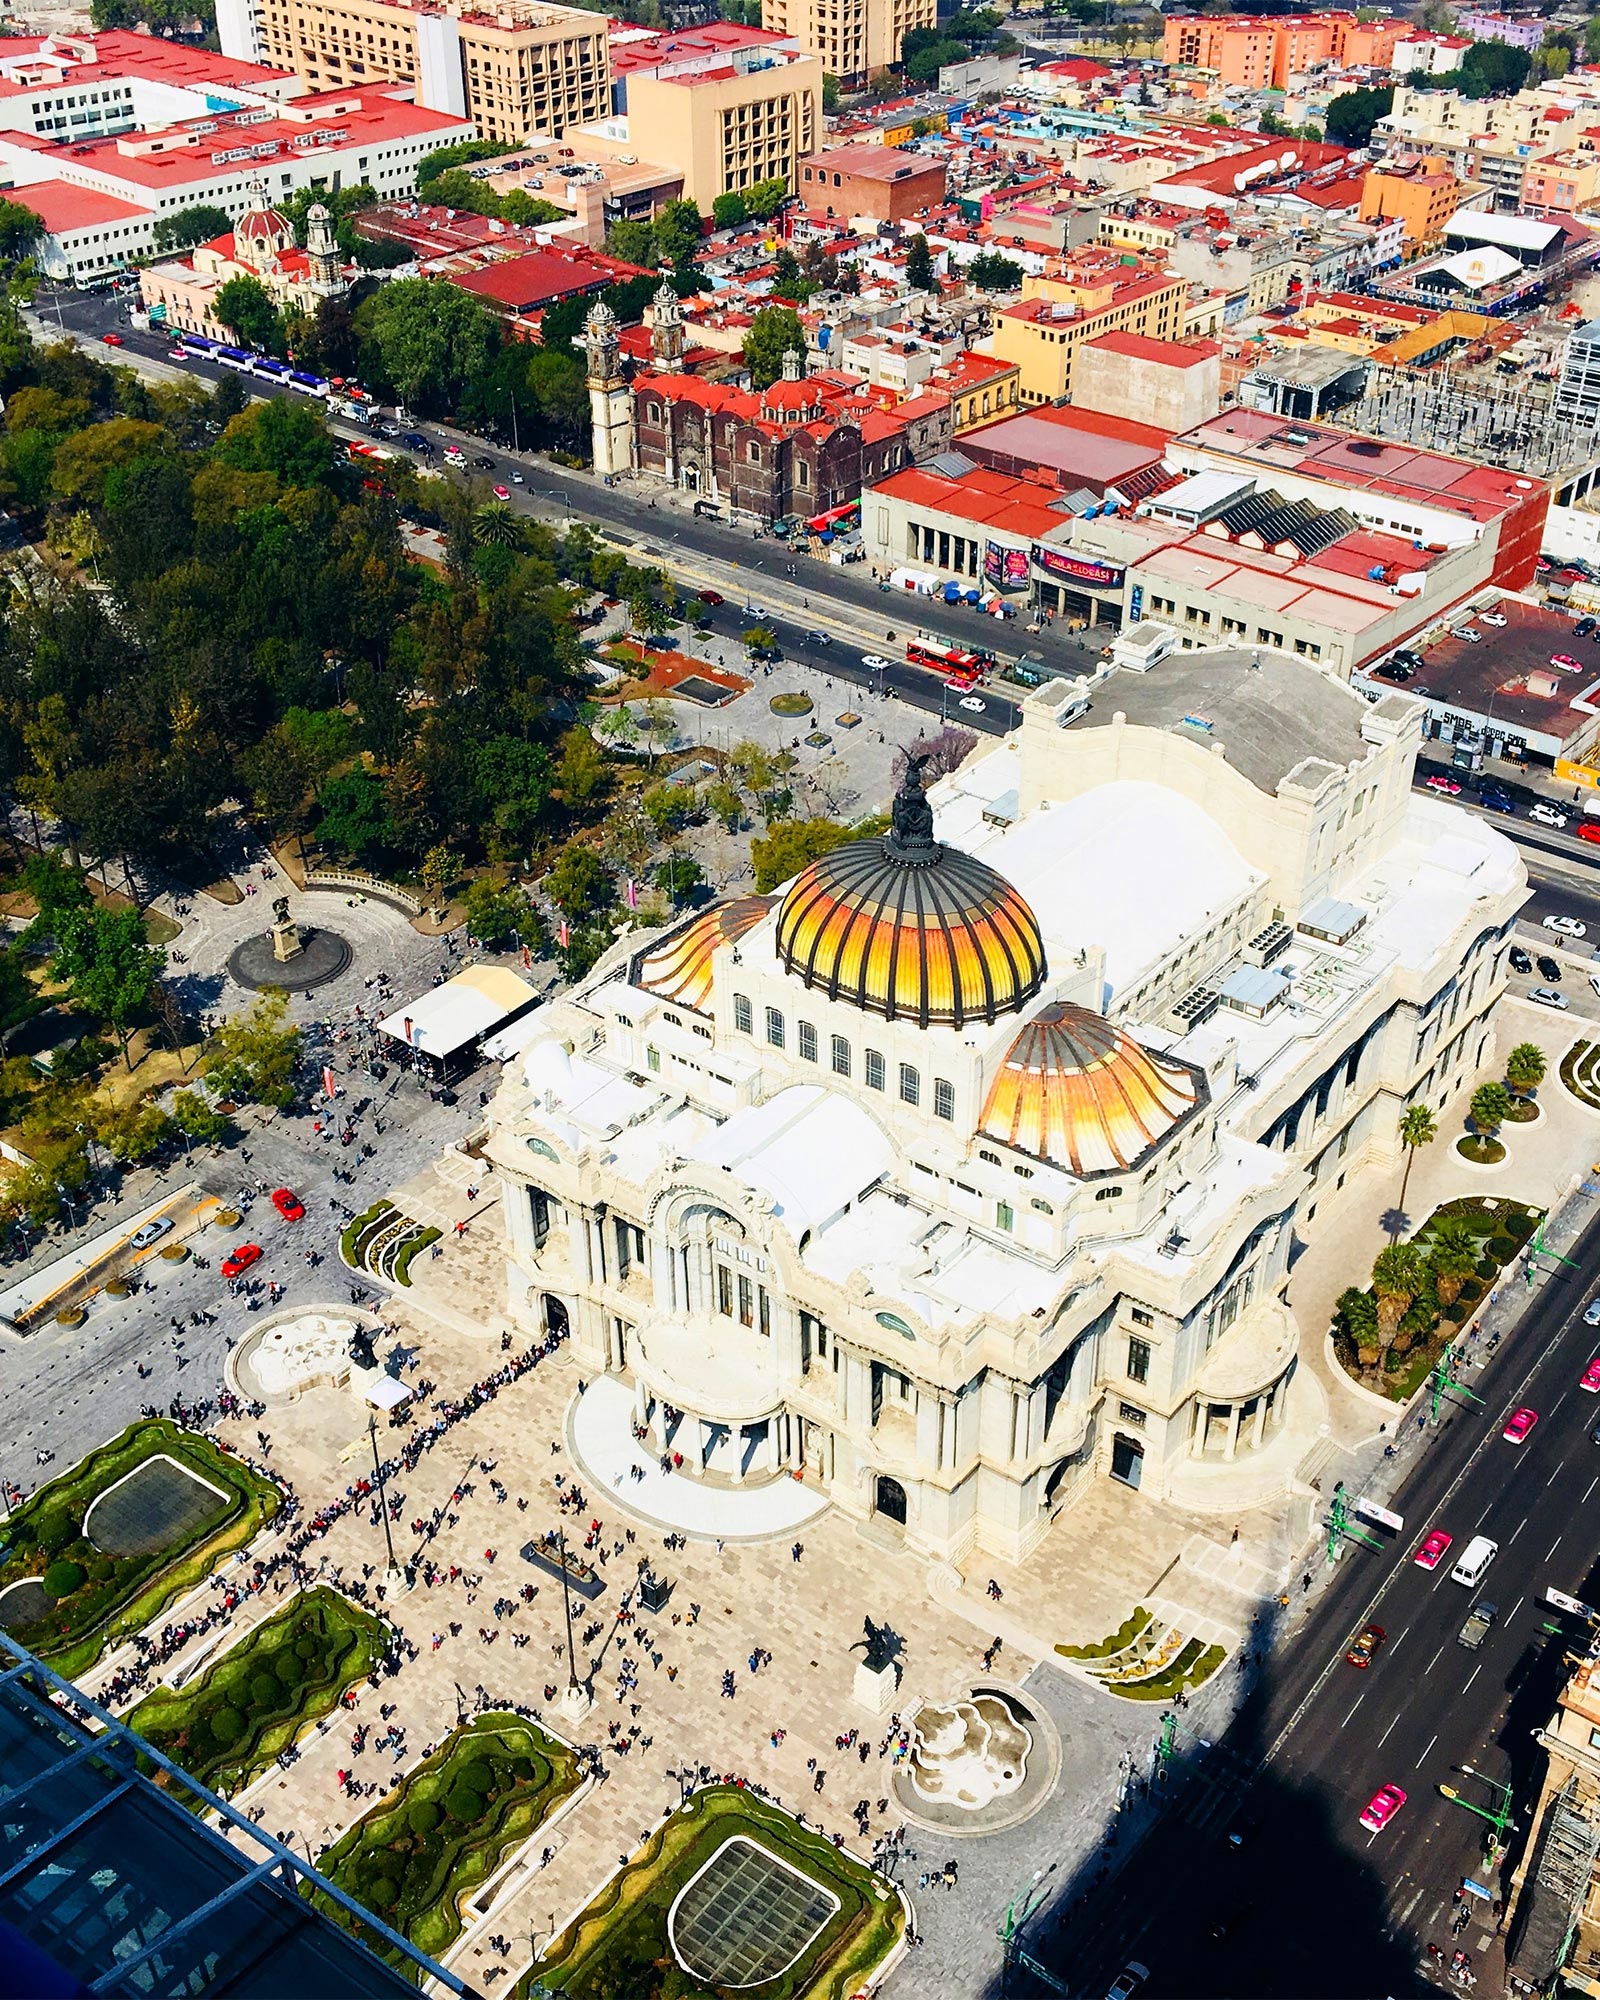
(730, 127)
(520, 69)
(851, 38)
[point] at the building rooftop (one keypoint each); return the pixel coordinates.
(1267, 710)
(865, 160)
(1140, 347)
(1512, 676)
(61, 206)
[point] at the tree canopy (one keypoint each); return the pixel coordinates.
(774, 332)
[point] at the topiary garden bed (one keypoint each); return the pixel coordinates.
(229, 1724)
(620, 1943)
(448, 1826)
(111, 1594)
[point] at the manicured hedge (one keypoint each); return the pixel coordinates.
(119, 1594)
(228, 1725)
(618, 1944)
(415, 1857)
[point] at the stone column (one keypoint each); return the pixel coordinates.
(1260, 1428)
(736, 1440)
(1233, 1432)
(927, 1429)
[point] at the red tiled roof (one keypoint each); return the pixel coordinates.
(1140, 347)
(62, 207)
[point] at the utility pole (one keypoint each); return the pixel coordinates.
(573, 1688)
(1342, 1529)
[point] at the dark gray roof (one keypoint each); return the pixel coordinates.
(1270, 710)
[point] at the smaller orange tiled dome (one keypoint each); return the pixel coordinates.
(1079, 1092)
(678, 968)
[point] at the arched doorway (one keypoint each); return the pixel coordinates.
(1127, 1460)
(889, 1500)
(555, 1317)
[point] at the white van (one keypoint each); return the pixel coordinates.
(1475, 1559)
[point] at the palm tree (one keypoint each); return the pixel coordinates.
(1525, 1068)
(1417, 1128)
(1358, 1312)
(495, 522)
(1398, 1276)
(1491, 1102)
(1453, 1250)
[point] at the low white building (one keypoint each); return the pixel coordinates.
(965, 1170)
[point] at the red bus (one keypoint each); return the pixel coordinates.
(950, 661)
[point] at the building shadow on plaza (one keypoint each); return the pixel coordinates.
(1243, 1884)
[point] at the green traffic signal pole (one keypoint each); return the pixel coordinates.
(1499, 1816)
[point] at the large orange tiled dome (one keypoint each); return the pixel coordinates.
(1078, 1091)
(910, 929)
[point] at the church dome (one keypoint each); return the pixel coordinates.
(1078, 1091)
(910, 929)
(678, 968)
(264, 226)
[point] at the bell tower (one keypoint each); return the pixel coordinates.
(666, 331)
(322, 249)
(610, 399)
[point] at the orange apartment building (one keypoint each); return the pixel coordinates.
(1262, 52)
(1421, 195)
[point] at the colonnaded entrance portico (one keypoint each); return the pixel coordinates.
(620, 1447)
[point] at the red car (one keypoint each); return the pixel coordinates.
(1566, 662)
(1521, 1423)
(711, 597)
(1446, 785)
(1364, 1646)
(241, 1260)
(112, 339)
(1386, 1801)
(288, 1204)
(1431, 1554)
(1591, 1377)
(1588, 831)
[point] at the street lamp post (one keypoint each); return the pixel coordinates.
(573, 1688)
(383, 1504)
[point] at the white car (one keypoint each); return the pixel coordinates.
(972, 702)
(876, 661)
(1568, 926)
(1491, 617)
(1544, 815)
(1547, 996)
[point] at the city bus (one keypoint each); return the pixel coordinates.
(954, 663)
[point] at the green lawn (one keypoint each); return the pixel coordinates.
(227, 1726)
(449, 1825)
(618, 1947)
(121, 1594)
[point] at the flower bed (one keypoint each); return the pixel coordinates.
(791, 704)
(619, 1943)
(1481, 1151)
(1118, 1642)
(355, 1236)
(228, 1725)
(448, 1825)
(120, 1594)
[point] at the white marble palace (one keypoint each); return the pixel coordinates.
(964, 1170)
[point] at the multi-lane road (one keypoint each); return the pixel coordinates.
(1307, 1902)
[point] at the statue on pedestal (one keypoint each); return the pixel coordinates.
(285, 933)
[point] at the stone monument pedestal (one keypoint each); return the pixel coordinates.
(574, 1701)
(875, 1687)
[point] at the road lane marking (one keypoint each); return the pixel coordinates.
(1463, 1471)
(1428, 1669)
(1424, 1757)
(1517, 1530)
(1549, 1552)
(1355, 1705)
(1593, 1483)
(1478, 1669)
(1399, 1643)
(1555, 1475)
(1387, 1733)
(1483, 1516)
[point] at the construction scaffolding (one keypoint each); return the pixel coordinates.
(1552, 1899)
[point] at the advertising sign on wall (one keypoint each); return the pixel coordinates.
(1078, 569)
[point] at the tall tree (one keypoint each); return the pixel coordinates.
(774, 332)
(1417, 1128)
(1398, 1276)
(109, 967)
(244, 306)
